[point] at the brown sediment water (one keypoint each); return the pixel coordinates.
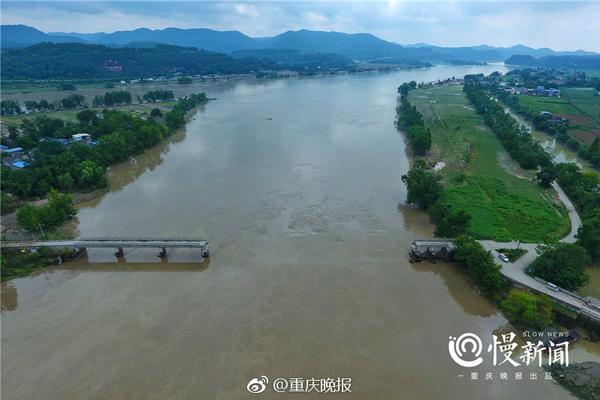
(297, 186)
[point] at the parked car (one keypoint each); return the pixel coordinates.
(503, 257)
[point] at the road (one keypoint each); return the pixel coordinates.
(515, 271)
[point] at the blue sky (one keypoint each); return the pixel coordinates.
(558, 25)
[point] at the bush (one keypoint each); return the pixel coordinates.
(58, 210)
(527, 311)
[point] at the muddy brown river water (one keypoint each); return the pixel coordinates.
(296, 184)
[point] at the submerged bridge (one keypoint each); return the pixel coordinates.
(119, 244)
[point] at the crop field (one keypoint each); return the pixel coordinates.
(478, 178)
(555, 105)
(579, 105)
(584, 100)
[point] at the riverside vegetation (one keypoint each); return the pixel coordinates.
(57, 164)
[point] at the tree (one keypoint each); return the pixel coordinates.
(27, 218)
(420, 139)
(73, 102)
(546, 176)
(423, 186)
(88, 117)
(588, 235)
(480, 265)
(156, 112)
(58, 210)
(453, 225)
(65, 181)
(91, 175)
(7, 203)
(562, 264)
(175, 119)
(10, 107)
(526, 310)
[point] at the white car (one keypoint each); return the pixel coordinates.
(503, 257)
(552, 286)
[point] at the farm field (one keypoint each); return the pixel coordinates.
(502, 206)
(579, 105)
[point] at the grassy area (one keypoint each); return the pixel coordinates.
(555, 105)
(502, 206)
(584, 100)
(512, 254)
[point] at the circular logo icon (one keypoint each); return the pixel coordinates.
(466, 344)
(257, 385)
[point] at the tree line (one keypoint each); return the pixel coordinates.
(71, 102)
(110, 99)
(516, 139)
(411, 122)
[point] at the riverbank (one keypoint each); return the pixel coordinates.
(19, 263)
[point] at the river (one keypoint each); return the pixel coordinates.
(296, 185)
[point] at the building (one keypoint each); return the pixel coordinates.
(19, 164)
(85, 138)
(434, 249)
(13, 152)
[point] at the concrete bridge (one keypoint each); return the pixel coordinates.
(119, 244)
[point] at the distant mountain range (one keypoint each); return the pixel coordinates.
(357, 46)
(560, 61)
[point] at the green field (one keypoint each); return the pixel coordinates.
(502, 206)
(579, 105)
(584, 100)
(555, 105)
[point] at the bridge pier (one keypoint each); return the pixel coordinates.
(205, 252)
(163, 252)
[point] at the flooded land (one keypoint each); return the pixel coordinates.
(297, 186)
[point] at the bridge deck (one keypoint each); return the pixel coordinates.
(110, 243)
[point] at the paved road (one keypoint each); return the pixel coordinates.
(516, 270)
